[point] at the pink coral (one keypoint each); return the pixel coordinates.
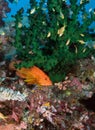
(75, 82)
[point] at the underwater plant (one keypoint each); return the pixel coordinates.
(55, 38)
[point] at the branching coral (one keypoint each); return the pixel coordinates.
(55, 38)
(9, 94)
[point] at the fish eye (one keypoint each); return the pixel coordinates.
(45, 78)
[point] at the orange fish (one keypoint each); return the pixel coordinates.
(34, 75)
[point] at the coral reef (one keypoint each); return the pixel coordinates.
(51, 41)
(55, 38)
(3, 10)
(9, 94)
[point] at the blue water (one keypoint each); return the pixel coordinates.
(16, 6)
(25, 4)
